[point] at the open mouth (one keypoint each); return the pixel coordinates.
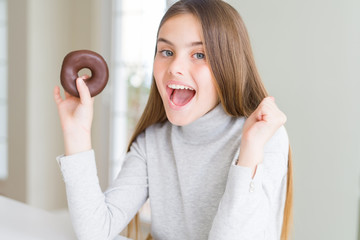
(180, 95)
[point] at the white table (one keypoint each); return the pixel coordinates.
(19, 221)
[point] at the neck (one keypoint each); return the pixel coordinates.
(206, 129)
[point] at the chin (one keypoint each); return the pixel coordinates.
(179, 120)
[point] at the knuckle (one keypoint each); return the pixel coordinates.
(283, 118)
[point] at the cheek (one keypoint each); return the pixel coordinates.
(159, 68)
(206, 80)
(155, 68)
(157, 72)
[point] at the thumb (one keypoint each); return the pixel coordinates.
(84, 92)
(57, 96)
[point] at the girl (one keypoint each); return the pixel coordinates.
(210, 150)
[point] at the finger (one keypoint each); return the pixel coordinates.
(264, 111)
(67, 95)
(269, 104)
(272, 106)
(57, 97)
(271, 112)
(264, 108)
(267, 100)
(84, 92)
(85, 76)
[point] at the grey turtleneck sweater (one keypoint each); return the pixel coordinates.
(196, 191)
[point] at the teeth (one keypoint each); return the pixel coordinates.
(174, 86)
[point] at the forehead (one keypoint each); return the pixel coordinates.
(181, 27)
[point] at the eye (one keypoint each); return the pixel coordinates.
(199, 55)
(166, 53)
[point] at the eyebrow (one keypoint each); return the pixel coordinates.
(171, 44)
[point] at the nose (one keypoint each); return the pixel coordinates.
(177, 66)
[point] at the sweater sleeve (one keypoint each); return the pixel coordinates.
(97, 215)
(252, 208)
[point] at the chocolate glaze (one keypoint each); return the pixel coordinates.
(77, 60)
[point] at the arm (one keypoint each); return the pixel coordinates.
(257, 131)
(97, 215)
(94, 214)
(253, 202)
(76, 118)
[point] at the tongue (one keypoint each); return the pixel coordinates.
(181, 97)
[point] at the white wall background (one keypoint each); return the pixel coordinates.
(41, 33)
(308, 54)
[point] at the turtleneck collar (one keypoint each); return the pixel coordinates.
(205, 129)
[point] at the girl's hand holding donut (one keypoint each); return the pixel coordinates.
(258, 129)
(76, 116)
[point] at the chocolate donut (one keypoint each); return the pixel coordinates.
(77, 60)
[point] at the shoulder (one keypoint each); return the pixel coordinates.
(279, 142)
(138, 146)
(158, 129)
(150, 134)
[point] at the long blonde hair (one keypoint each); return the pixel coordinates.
(239, 86)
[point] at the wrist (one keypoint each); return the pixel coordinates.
(250, 156)
(251, 146)
(76, 143)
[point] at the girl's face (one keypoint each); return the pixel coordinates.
(182, 73)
